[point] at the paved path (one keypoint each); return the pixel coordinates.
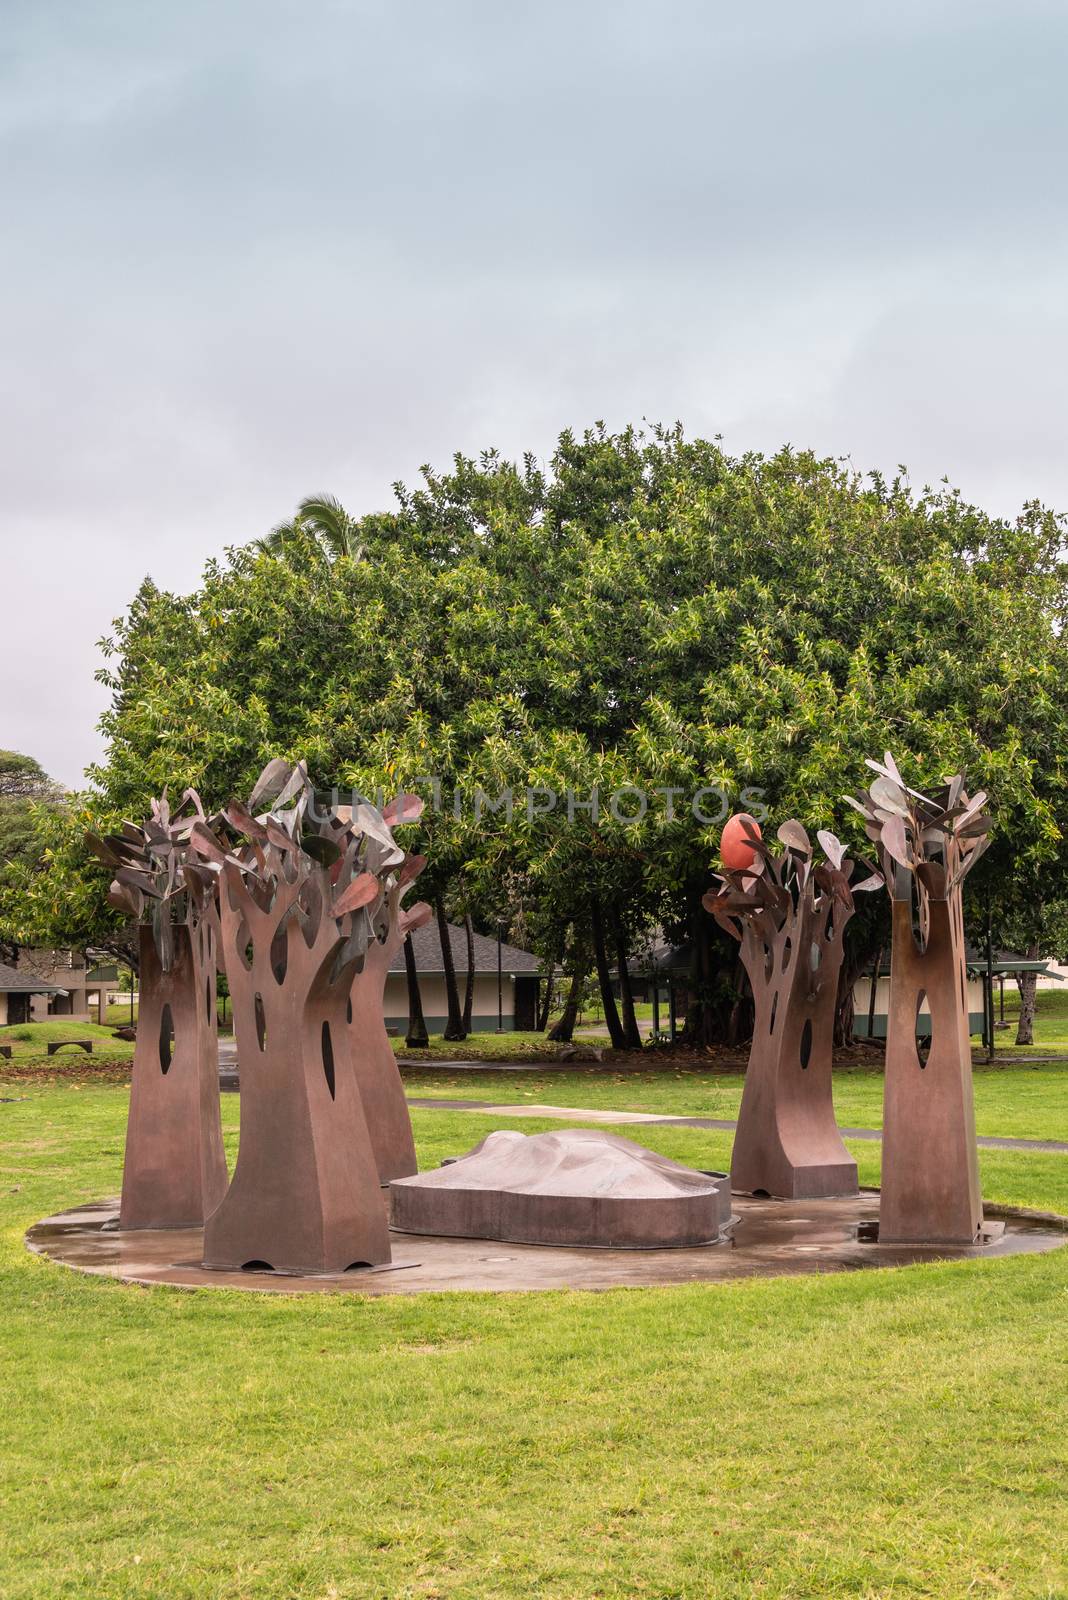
(619, 1119)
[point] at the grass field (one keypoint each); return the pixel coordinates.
(1014, 1101)
(899, 1433)
(1051, 1019)
(29, 1040)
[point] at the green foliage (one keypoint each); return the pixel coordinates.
(647, 611)
(23, 784)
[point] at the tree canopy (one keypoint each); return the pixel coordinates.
(644, 617)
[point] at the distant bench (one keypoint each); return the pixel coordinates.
(5, 1050)
(78, 1044)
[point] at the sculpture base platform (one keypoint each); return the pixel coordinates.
(772, 1238)
(572, 1187)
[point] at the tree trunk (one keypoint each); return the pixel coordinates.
(788, 1143)
(631, 1031)
(417, 1037)
(174, 1174)
(546, 1000)
(304, 1196)
(844, 1010)
(600, 955)
(388, 1120)
(454, 1027)
(1027, 983)
(930, 1167)
(712, 999)
(563, 1029)
(469, 987)
(743, 1011)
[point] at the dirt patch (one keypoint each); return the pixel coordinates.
(66, 1069)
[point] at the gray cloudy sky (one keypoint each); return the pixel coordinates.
(255, 249)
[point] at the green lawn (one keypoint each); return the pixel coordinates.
(496, 1047)
(1051, 1019)
(898, 1433)
(29, 1039)
(1025, 1102)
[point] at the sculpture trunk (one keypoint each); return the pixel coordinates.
(174, 1173)
(930, 1183)
(305, 1196)
(375, 1065)
(788, 1144)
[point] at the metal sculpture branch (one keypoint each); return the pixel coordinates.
(174, 1173)
(789, 913)
(297, 909)
(927, 844)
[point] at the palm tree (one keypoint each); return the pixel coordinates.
(320, 524)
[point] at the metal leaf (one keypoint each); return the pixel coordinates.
(933, 877)
(360, 892)
(793, 835)
(411, 867)
(327, 852)
(280, 837)
(416, 916)
(974, 827)
(890, 795)
(271, 781)
(101, 848)
(894, 842)
(125, 898)
(404, 808)
(832, 846)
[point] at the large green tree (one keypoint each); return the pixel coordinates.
(25, 787)
(643, 616)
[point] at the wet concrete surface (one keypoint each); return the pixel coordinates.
(771, 1238)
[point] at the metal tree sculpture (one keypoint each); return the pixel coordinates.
(926, 844)
(295, 922)
(174, 1172)
(789, 915)
(377, 1073)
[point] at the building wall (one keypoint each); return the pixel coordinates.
(436, 1006)
(14, 1008)
(88, 990)
(862, 1001)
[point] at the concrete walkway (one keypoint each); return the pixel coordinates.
(618, 1119)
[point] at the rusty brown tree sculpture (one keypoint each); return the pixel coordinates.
(789, 915)
(296, 917)
(377, 1073)
(926, 844)
(174, 1172)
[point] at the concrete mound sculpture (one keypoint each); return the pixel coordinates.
(789, 913)
(174, 1173)
(927, 844)
(576, 1187)
(297, 902)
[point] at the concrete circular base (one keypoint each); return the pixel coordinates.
(771, 1238)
